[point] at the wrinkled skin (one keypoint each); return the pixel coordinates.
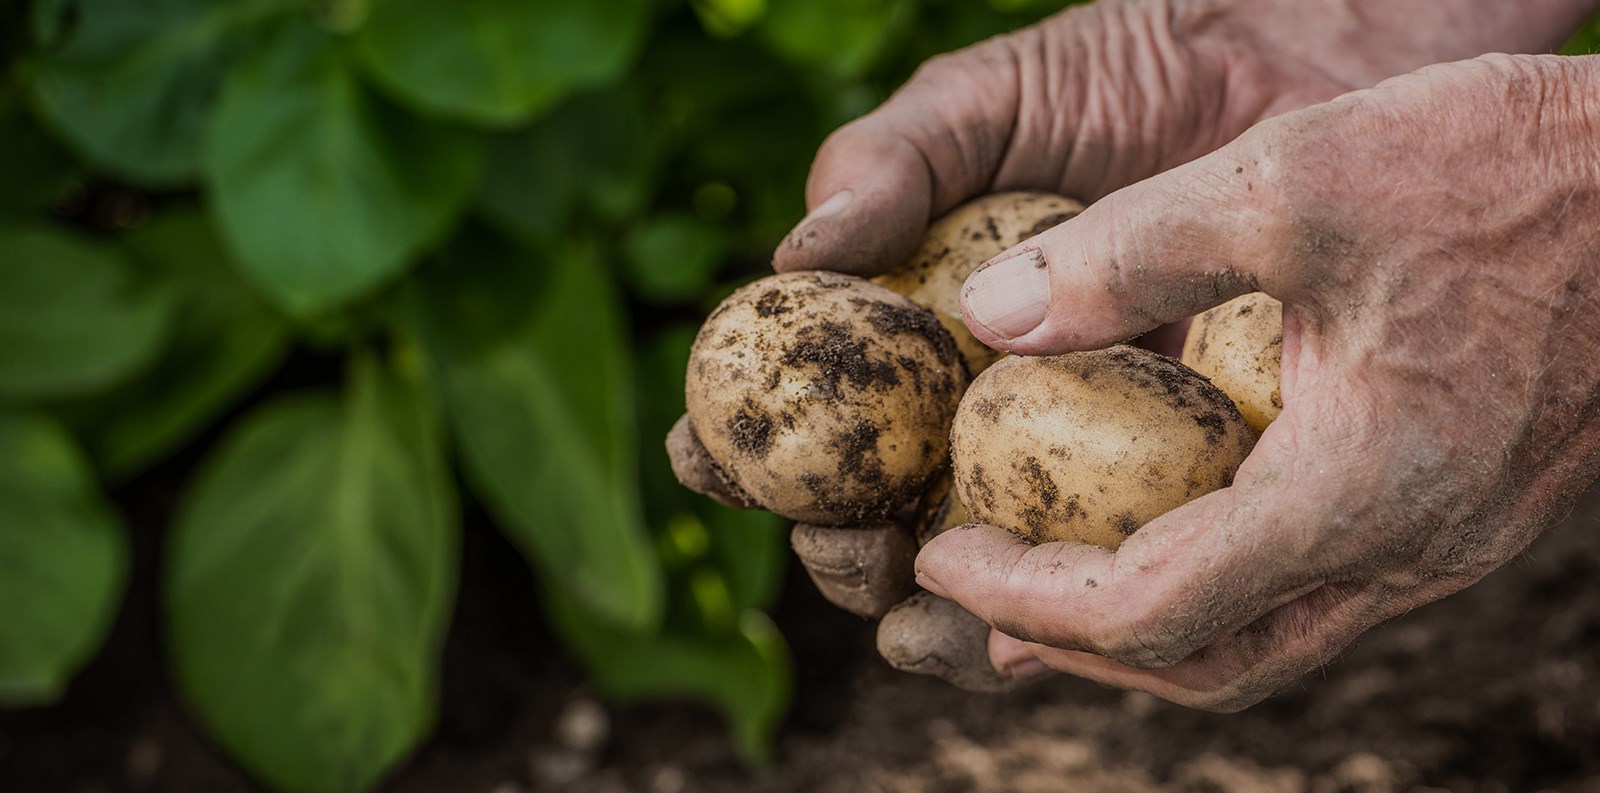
(1454, 203)
(1404, 467)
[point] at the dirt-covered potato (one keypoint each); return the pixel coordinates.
(964, 238)
(824, 397)
(1239, 345)
(1090, 446)
(939, 512)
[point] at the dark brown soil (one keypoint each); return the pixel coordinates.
(1495, 689)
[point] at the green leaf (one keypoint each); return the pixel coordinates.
(1586, 41)
(744, 673)
(323, 191)
(63, 561)
(310, 581)
(225, 341)
(35, 171)
(531, 359)
(845, 37)
(134, 83)
(498, 61)
(672, 257)
(596, 153)
(728, 18)
(751, 550)
(73, 316)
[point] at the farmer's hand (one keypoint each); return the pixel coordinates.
(1091, 100)
(867, 570)
(1085, 103)
(1104, 95)
(1436, 243)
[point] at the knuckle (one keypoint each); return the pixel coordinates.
(941, 71)
(846, 137)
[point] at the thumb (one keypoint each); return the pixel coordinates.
(1155, 252)
(876, 182)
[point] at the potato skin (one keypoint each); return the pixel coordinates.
(826, 398)
(1090, 446)
(1239, 346)
(964, 238)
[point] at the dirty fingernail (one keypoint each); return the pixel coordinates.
(927, 582)
(1010, 296)
(1031, 667)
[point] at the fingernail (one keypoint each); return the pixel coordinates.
(1010, 296)
(834, 205)
(803, 232)
(1031, 667)
(926, 582)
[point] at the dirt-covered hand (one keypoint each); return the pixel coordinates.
(868, 571)
(1436, 244)
(1105, 94)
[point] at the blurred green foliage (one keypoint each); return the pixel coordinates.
(507, 218)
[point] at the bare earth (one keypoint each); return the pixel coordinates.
(1495, 689)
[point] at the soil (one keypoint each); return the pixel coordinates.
(1495, 689)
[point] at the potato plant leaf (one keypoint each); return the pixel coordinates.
(1585, 40)
(593, 155)
(35, 169)
(226, 339)
(749, 548)
(845, 37)
(323, 190)
(671, 257)
(530, 356)
(74, 316)
(498, 62)
(310, 580)
(63, 560)
(134, 82)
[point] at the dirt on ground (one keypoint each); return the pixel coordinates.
(1494, 689)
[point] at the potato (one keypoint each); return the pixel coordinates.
(1090, 446)
(824, 397)
(957, 243)
(939, 512)
(1239, 346)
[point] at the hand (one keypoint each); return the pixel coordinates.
(1104, 95)
(1436, 244)
(1085, 103)
(867, 570)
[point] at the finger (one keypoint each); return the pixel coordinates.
(1249, 665)
(877, 181)
(1152, 253)
(694, 468)
(928, 635)
(1014, 657)
(863, 570)
(1177, 584)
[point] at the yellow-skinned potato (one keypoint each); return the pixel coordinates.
(824, 397)
(939, 512)
(964, 238)
(1239, 346)
(1090, 446)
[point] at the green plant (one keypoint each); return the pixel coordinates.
(507, 218)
